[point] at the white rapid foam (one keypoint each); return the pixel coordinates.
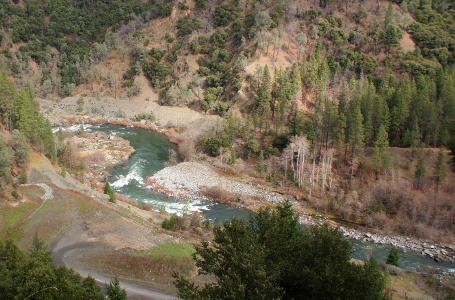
(73, 128)
(134, 174)
(177, 207)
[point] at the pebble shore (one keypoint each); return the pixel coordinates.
(188, 179)
(437, 251)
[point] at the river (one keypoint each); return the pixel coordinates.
(152, 153)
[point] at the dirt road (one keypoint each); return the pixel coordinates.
(135, 291)
(78, 220)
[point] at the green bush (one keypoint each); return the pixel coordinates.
(220, 37)
(174, 223)
(157, 53)
(110, 192)
(393, 257)
(214, 144)
(203, 71)
(186, 25)
(222, 107)
(223, 14)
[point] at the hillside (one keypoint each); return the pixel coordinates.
(312, 94)
(345, 107)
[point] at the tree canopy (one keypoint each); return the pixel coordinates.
(32, 273)
(270, 256)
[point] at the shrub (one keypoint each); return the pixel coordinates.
(393, 257)
(157, 53)
(110, 192)
(174, 223)
(63, 172)
(223, 14)
(15, 194)
(203, 71)
(186, 26)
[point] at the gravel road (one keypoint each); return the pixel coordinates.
(101, 228)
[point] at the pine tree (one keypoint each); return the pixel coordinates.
(393, 257)
(110, 192)
(256, 260)
(420, 170)
(296, 78)
(400, 106)
(264, 98)
(259, 162)
(233, 157)
(252, 147)
(114, 291)
(27, 110)
(20, 147)
(381, 157)
(412, 136)
(440, 169)
(7, 96)
(355, 131)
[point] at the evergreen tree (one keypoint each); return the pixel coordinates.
(260, 161)
(393, 257)
(391, 36)
(114, 291)
(264, 98)
(296, 78)
(110, 192)
(339, 133)
(355, 131)
(381, 157)
(233, 157)
(7, 96)
(440, 169)
(283, 94)
(367, 109)
(24, 273)
(420, 170)
(257, 260)
(329, 121)
(26, 112)
(381, 114)
(296, 123)
(399, 104)
(412, 136)
(252, 147)
(20, 147)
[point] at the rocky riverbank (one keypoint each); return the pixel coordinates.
(97, 151)
(437, 251)
(200, 181)
(197, 180)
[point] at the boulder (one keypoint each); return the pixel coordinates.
(394, 271)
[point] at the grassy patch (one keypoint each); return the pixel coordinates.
(169, 250)
(32, 190)
(14, 220)
(155, 265)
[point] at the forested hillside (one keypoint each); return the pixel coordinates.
(19, 114)
(318, 96)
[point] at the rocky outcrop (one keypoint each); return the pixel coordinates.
(101, 151)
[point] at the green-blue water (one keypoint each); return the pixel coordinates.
(150, 156)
